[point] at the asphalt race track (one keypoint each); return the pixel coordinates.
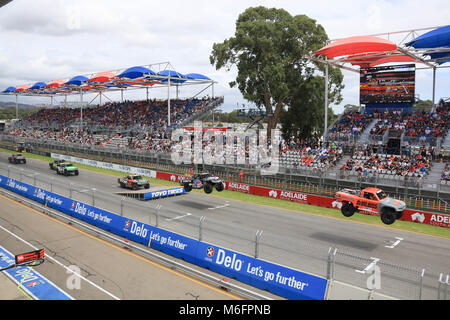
(293, 239)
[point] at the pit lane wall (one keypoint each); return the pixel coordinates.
(280, 280)
(436, 219)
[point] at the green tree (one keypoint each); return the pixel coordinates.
(305, 115)
(270, 50)
(10, 113)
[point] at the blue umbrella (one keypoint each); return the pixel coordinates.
(135, 72)
(9, 89)
(436, 38)
(172, 74)
(77, 81)
(196, 76)
(38, 85)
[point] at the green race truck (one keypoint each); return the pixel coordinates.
(66, 169)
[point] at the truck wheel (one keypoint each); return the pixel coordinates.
(24, 161)
(66, 173)
(134, 186)
(147, 186)
(187, 187)
(208, 188)
(347, 209)
(220, 187)
(388, 216)
(76, 172)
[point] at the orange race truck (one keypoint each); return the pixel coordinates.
(372, 201)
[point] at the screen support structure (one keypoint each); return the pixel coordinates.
(326, 103)
(168, 102)
(434, 84)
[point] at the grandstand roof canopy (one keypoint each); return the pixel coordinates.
(137, 77)
(431, 49)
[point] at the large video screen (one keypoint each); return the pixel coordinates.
(389, 84)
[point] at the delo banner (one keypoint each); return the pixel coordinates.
(277, 279)
(31, 281)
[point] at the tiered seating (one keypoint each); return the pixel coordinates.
(151, 115)
(350, 123)
(388, 166)
(445, 176)
(312, 158)
(416, 128)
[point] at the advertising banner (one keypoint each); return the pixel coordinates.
(435, 219)
(239, 187)
(277, 279)
(173, 244)
(163, 193)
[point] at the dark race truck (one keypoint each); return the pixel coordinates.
(371, 201)
(205, 181)
(66, 169)
(54, 164)
(17, 158)
(133, 181)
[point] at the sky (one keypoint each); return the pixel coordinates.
(51, 39)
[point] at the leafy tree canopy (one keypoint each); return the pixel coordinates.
(270, 50)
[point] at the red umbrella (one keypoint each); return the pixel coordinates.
(356, 45)
(22, 88)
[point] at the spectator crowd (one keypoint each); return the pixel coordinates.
(365, 161)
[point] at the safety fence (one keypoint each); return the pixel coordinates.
(253, 247)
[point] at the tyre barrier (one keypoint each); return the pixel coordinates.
(280, 280)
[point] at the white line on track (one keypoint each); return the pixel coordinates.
(219, 207)
(179, 217)
(62, 265)
(395, 243)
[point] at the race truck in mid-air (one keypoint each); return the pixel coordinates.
(372, 201)
(17, 158)
(133, 181)
(205, 181)
(67, 169)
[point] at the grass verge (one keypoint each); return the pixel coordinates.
(276, 203)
